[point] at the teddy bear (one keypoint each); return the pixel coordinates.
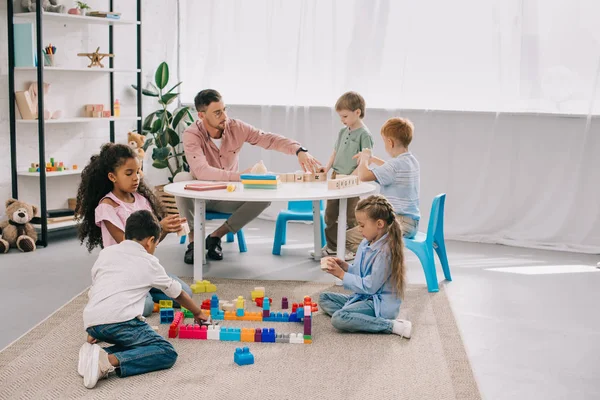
(17, 232)
(47, 5)
(136, 142)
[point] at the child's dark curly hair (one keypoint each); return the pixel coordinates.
(95, 185)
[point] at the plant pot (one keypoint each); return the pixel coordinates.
(74, 11)
(166, 200)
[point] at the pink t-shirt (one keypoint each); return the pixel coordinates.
(118, 215)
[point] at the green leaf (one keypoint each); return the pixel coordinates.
(147, 125)
(173, 137)
(160, 153)
(160, 164)
(174, 87)
(147, 144)
(146, 92)
(168, 98)
(156, 126)
(162, 75)
(163, 138)
(179, 114)
(161, 113)
(190, 117)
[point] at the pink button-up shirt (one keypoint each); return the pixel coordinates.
(208, 163)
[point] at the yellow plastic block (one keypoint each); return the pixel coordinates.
(197, 288)
(239, 302)
(257, 293)
(165, 303)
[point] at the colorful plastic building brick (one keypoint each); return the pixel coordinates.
(259, 301)
(203, 287)
(282, 338)
(257, 292)
(296, 338)
(268, 335)
(214, 332)
(174, 328)
(193, 332)
(247, 335)
(243, 356)
(307, 325)
(258, 335)
(205, 304)
(187, 313)
(284, 303)
(156, 308)
(294, 318)
(165, 303)
(230, 334)
(166, 315)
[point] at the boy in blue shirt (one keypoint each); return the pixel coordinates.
(399, 177)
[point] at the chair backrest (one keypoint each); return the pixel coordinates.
(436, 217)
(302, 206)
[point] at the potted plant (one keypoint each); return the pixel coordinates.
(161, 127)
(80, 9)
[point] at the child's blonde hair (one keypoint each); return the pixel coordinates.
(351, 101)
(377, 207)
(399, 129)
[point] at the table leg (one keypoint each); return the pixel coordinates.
(199, 224)
(316, 207)
(341, 234)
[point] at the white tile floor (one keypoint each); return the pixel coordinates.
(528, 318)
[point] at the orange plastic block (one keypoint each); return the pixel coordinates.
(307, 341)
(251, 316)
(247, 335)
(156, 308)
(230, 316)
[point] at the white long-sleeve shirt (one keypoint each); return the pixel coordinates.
(121, 279)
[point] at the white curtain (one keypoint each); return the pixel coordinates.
(503, 94)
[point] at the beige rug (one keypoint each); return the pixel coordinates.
(431, 365)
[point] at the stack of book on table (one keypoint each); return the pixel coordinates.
(260, 181)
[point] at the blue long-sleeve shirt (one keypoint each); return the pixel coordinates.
(370, 276)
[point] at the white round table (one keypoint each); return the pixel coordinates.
(312, 191)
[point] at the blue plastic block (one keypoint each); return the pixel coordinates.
(268, 335)
(243, 356)
(214, 301)
(239, 312)
(266, 304)
(285, 317)
(230, 334)
(270, 318)
(294, 318)
(166, 315)
(217, 315)
(300, 313)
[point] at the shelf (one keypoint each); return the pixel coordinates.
(66, 69)
(68, 18)
(57, 226)
(51, 174)
(76, 120)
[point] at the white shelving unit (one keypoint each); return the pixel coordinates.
(59, 187)
(53, 174)
(76, 120)
(67, 69)
(72, 19)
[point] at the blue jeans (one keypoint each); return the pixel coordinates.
(136, 345)
(155, 295)
(355, 317)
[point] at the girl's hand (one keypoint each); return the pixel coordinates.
(172, 223)
(334, 267)
(343, 264)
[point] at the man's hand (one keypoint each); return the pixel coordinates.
(308, 162)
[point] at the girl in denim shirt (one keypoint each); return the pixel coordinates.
(377, 276)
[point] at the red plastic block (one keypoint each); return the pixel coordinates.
(175, 325)
(205, 304)
(193, 332)
(259, 301)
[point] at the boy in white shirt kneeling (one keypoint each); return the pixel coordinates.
(121, 279)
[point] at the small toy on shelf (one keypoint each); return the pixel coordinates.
(95, 58)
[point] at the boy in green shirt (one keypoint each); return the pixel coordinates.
(352, 139)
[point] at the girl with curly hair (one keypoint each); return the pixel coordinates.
(112, 189)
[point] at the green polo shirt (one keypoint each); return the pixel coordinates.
(348, 144)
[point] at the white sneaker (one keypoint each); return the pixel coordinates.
(325, 252)
(97, 367)
(402, 328)
(84, 354)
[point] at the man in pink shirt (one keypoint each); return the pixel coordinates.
(212, 145)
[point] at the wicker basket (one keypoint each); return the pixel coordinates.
(166, 200)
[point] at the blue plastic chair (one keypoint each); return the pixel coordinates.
(424, 244)
(296, 211)
(230, 237)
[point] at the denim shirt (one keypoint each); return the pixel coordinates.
(370, 276)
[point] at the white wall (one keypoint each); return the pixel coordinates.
(525, 180)
(74, 144)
